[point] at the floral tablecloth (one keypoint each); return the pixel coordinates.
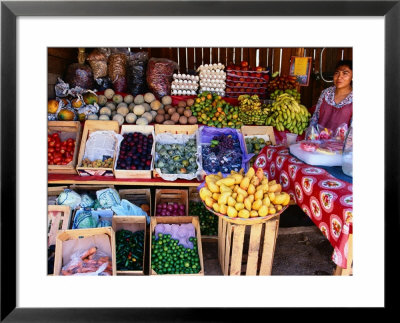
(327, 200)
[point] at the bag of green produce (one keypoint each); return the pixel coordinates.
(108, 198)
(86, 201)
(85, 219)
(70, 198)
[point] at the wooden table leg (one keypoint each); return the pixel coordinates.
(339, 271)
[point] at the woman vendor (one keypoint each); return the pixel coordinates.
(335, 104)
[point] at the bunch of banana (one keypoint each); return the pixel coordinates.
(243, 195)
(292, 92)
(249, 103)
(287, 113)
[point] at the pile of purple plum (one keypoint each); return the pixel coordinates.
(135, 151)
(171, 209)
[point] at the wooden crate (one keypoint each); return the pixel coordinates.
(174, 129)
(58, 217)
(261, 247)
(92, 126)
(195, 197)
(122, 173)
(137, 196)
(171, 195)
(133, 224)
(68, 129)
(66, 235)
(53, 192)
(178, 220)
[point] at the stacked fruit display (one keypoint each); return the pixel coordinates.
(242, 195)
(211, 110)
(252, 111)
(292, 92)
(222, 155)
(135, 151)
(184, 84)
(212, 78)
(208, 222)
(140, 110)
(170, 257)
(171, 209)
(282, 82)
(178, 114)
(177, 158)
(59, 152)
(287, 113)
(245, 80)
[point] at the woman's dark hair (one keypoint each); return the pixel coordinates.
(347, 63)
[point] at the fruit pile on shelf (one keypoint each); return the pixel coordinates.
(244, 80)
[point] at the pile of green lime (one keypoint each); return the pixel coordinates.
(169, 257)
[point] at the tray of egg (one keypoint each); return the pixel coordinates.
(184, 84)
(212, 78)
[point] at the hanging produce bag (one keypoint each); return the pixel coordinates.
(79, 75)
(98, 62)
(117, 71)
(159, 76)
(136, 73)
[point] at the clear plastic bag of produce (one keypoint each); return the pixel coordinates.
(181, 232)
(120, 84)
(87, 218)
(102, 144)
(80, 75)
(159, 76)
(89, 262)
(340, 132)
(117, 66)
(108, 197)
(128, 208)
(234, 157)
(70, 198)
(86, 201)
(98, 62)
(178, 145)
(312, 132)
(136, 72)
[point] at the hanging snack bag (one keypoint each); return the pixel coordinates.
(159, 76)
(136, 72)
(98, 62)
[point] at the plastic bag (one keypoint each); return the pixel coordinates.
(312, 133)
(127, 208)
(98, 62)
(136, 73)
(85, 219)
(80, 75)
(159, 76)
(108, 198)
(103, 83)
(120, 84)
(340, 132)
(70, 198)
(87, 201)
(116, 66)
(104, 223)
(88, 263)
(325, 133)
(181, 232)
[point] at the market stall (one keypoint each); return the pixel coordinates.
(206, 137)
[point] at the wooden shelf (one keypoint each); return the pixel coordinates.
(76, 179)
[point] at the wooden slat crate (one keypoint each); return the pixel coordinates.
(137, 196)
(178, 220)
(260, 243)
(92, 126)
(133, 224)
(66, 235)
(122, 173)
(67, 129)
(171, 196)
(58, 217)
(174, 129)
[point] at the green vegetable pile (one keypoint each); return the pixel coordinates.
(208, 221)
(168, 257)
(130, 248)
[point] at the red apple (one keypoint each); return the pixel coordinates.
(244, 63)
(259, 68)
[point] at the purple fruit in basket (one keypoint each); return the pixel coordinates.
(143, 159)
(139, 150)
(134, 157)
(135, 134)
(123, 164)
(133, 167)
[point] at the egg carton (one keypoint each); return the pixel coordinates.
(184, 85)
(185, 77)
(215, 66)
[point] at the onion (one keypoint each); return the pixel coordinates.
(163, 213)
(181, 212)
(164, 205)
(170, 207)
(175, 206)
(181, 206)
(168, 213)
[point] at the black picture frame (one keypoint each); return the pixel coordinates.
(10, 10)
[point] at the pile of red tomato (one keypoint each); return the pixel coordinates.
(59, 153)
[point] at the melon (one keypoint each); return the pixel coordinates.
(109, 93)
(148, 116)
(128, 98)
(102, 100)
(111, 105)
(142, 121)
(139, 99)
(93, 116)
(155, 105)
(104, 117)
(123, 110)
(131, 118)
(118, 117)
(117, 98)
(166, 100)
(66, 115)
(105, 110)
(149, 97)
(138, 110)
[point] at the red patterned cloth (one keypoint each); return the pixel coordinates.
(327, 200)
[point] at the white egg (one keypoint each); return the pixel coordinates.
(179, 92)
(189, 82)
(205, 65)
(173, 86)
(193, 92)
(197, 78)
(212, 89)
(193, 77)
(179, 76)
(215, 65)
(184, 92)
(184, 81)
(174, 76)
